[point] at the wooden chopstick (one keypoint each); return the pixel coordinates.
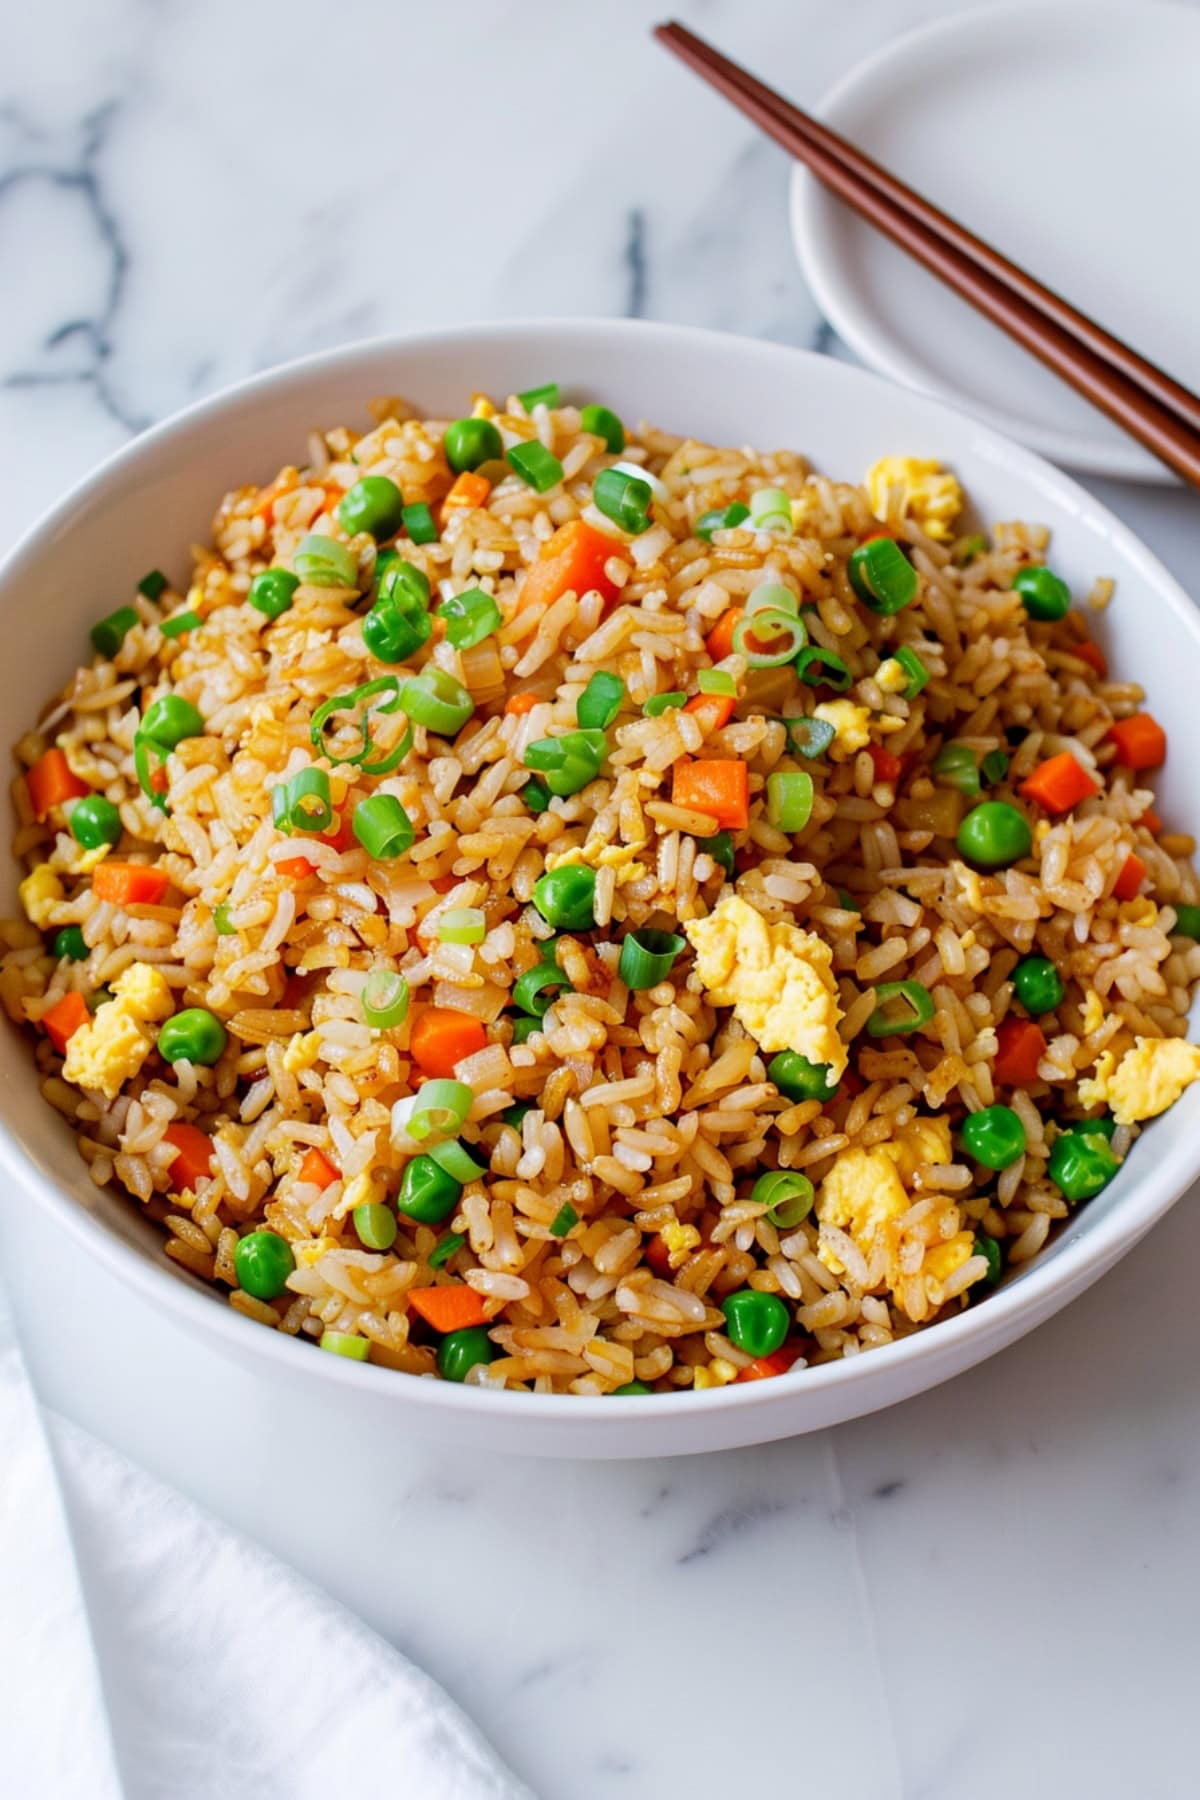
(1141, 398)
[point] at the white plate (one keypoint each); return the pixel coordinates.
(143, 508)
(1066, 133)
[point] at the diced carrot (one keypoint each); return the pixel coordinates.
(573, 560)
(129, 884)
(719, 642)
(1091, 654)
(449, 1308)
(61, 1021)
(443, 883)
(778, 1363)
(284, 482)
(888, 768)
(658, 1256)
(342, 836)
(192, 1161)
(1020, 1047)
(1141, 742)
(295, 868)
(441, 1037)
(1151, 821)
(1059, 783)
(51, 782)
(1133, 873)
(517, 704)
(317, 1168)
(469, 491)
(718, 786)
(712, 710)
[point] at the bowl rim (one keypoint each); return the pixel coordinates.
(1084, 1251)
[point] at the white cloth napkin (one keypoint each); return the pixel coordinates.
(149, 1653)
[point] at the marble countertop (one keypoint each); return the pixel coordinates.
(994, 1582)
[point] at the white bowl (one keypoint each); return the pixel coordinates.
(147, 504)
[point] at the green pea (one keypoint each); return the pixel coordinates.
(566, 897)
(262, 1262)
(392, 635)
(271, 592)
(1038, 985)
(1043, 595)
(1081, 1163)
(470, 442)
(994, 835)
(988, 1247)
(633, 1387)
(95, 821)
(459, 1351)
(375, 1224)
(194, 1035)
(994, 1136)
(427, 1192)
(374, 504)
(799, 1079)
(69, 942)
(1105, 1126)
(1187, 921)
(757, 1323)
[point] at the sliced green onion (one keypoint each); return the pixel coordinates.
(442, 1107)
(847, 902)
(382, 827)
(178, 623)
(914, 668)
(916, 1004)
(404, 586)
(384, 999)
(309, 801)
(470, 617)
(721, 518)
(383, 561)
(955, 765)
(600, 701)
(375, 1225)
(771, 510)
(450, 1244)
(720, 848)
(536, 466)
(717, 681)
(524, 1029)
(515, 1115)
(647, 957)
(153, 584)
(563, 1220)
(637, 473)
(966, 549)
(535, 796)
(569, 762)
(772, 596)
(142, 746)
(623, 498)
(345, 1343)
(601, 423)
(789, 799)
(454, 1157)
(786, 1194)
(169, 719)
(280, 816)
(529, 989)
(547, 395)
(362, 696)
(818, 667)
(323, 562)
(419, 523)
(462, 925)
(769, 626)
(994, 766)
(882, 576)
(393, 635)
(221, 920)
(658, 704)
(109, 634)
(809, 737)
(438, 701)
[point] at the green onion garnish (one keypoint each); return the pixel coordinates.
(771, 510)
(647, 957)
(882, 576)
(769, 626)
(109, 634)
(279, 808)
(966, 549)
(547, 395)
(535, 796)
(994, 766)
(789, 799)
(569, 762)
(623, 498)
(454, 1157)
(658, 704)
(392, 635)
(716, 681)
(721, 518)
(720, 848)
(773, 596)
(524, 1029)
(529, 989)
(323, 562)
(440, 1108)
(536, 466)
(564, 1219)
(178, 624)
(918, 674)
(955, 765)
(384, 999)
(419, 523)
(435, 700)
(165, 724)
(916, 1003)
(153, 584)
(515, 1115)
(600, 701)
(403, 585)
(602, 423)
(375, 1225)
(221, 920)
(452, 1242)
(382, 827)
(809, 737)
(462, 925)
(309, 802)
(363, 696)
(786, 1194)
(819, 667)
(345, 1343)
(470, 617)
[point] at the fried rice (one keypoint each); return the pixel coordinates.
(604, 1212)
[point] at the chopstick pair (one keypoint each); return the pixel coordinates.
(1145, 401)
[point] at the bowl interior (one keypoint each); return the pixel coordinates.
(145, 507)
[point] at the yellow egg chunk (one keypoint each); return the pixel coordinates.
(142, 991)
(1093, 1012)
(777, 978)
(851, 725)
(40, 893)
(363, 1190)
(929, 495)
(110, 1050)
(1147, 1080)
(301, 1051)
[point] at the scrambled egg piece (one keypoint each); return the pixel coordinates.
(40, 893)
(777, 978)
(718, 1373)
(1147, 1080)
(86, 860)
(599, 855)
(929, 494)
(852, 726)
(892, 676)
(110, 1050)
(680, 1240)
(311, 1251)
(1093, 1012)
(301, 1052)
